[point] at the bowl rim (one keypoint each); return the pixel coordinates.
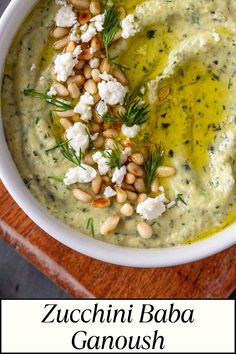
(119, 255)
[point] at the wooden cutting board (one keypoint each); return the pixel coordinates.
(81, 276)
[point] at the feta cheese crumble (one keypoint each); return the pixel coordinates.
(102, 162)
(84, 108)
(98, 22)
(130, 132)
(80, 174)
(101, 108)
(216, 36)
(152, 208)
(65, 17)
(52, 91)
(130, 26)
(107, 77)
(64, 65)
(78, 137)
(125, 154)
(88, 32)
(33, 67)
(74, 36)
(112, 92)
(109, 192)
(94, 63)
(60, 2)
(77, 51)
(118, 175)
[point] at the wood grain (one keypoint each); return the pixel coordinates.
(83, 277)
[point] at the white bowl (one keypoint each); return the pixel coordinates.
(9, 23)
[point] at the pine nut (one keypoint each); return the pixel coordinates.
(84, 18)
(82, 195)
(101, 203)
(76, 118)
(121, 195)
(79, 80)
(61, 90)
(91, 87)
(165, 171)
(95, 7)
(132, 196)
(106, 180)
(80, 4)
(122, 12)
(118, 110)
(163, 93)
(128, 187)
(88, 159)
(137, 158)
(95, 127)
(126, 142)
(65, 123)
(120, 76)
(87, 72)
(142, 197)
(144, 230)
(109, 225)
(96, 117)
(86, 54)
(130, 178)
(96, 98)
(62, 43)
(95, 44)
(127, 210)
(155, 186)
(99, 142)
(80, 65)
(117, 36)
(96, 184)
(135, 169)
(139, 185)
(74, 90)
(110, 144)
(65, 114)
(60, 32)
(95, 75)
(105, 66)
(111, 133)
(71, 47)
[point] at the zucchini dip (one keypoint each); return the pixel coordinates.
(121, 116)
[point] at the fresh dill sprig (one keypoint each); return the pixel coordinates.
(179, 198)
(152, 162)
(59, 179)
(114, 157)
(111, 26)
(136, 114)
(90, 226)
(68, 152)
(53, 101)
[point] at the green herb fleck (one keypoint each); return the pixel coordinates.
(90, 226)
(179, 198)
(151, 34)
(56, 178)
